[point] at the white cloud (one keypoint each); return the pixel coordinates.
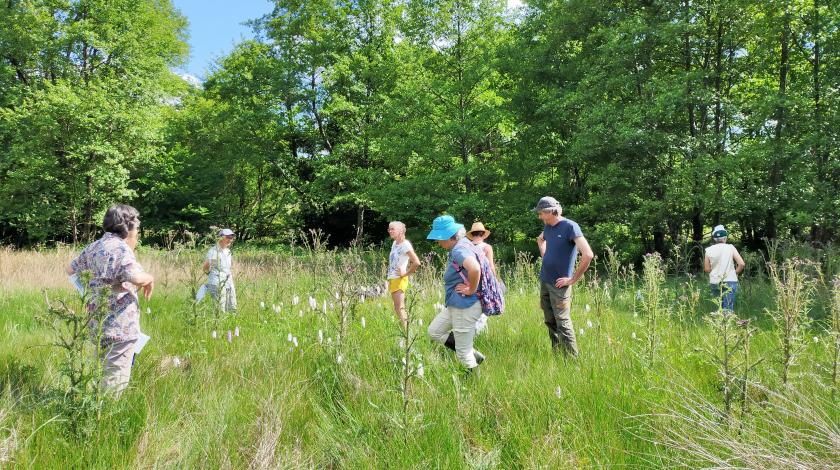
(191, 79)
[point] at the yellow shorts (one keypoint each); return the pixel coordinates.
(400, 283)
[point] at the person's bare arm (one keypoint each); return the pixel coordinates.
(206, 266)
(739, 261)
(473, 276)
(586, 256)
(488, 251)
(413, 263)
(70, 271)
(146, 282)
(541, 244)
(707, 264)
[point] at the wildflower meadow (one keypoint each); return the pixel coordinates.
(314, 371)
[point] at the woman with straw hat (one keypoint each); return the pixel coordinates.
(478, 234)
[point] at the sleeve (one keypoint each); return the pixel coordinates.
(80, 264)
(460, 254)
(408, 247)
(129, 267)
(576, 231)
(211, 255)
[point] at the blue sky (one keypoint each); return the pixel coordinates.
(215, 27)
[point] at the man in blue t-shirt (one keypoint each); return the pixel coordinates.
(559, 243)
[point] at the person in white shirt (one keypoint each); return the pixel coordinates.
(217, 265)
(723, 263)
(402, 262)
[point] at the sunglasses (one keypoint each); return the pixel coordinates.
(477, 233)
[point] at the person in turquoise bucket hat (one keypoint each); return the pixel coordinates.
(454, 325)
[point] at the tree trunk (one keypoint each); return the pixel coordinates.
(771, 228)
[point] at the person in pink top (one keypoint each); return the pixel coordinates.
(477, 235)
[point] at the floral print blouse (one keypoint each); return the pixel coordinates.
(111, 263)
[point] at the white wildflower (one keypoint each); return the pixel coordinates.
(213, 334)
(339, 359)
(320, 336)
(337, 296)
(633, 335)
(816, 339)
(313, 304)
(581, 331)
(295, 341)
(363, 322)
(402, 343)
(295, 300)
(587, 307)
(289, 337)
(236, 332)
(420, 371)
(420, 321)
(558, 392)
(300, 313)
(230, 336)
(589, 323)
(329, 340)
(262, 304)
(176, 361)
(148, 310)
(403, 361)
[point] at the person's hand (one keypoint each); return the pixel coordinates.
(464, 289)
(563, 282)
(148, 289)
(540, 238)
(401, 272)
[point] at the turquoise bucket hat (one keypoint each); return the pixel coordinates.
(443, 228)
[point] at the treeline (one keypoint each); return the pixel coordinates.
(650, 121)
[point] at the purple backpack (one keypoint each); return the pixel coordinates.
(490, 290)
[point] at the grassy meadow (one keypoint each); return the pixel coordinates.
(320, 375)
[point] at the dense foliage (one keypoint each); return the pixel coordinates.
(649, 120)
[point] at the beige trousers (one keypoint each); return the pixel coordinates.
(116, 366)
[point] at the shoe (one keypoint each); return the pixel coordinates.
(479, 358)
(450, 343)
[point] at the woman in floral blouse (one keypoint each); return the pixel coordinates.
(115, 272)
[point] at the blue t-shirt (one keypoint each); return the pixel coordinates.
(560, 250)
(461, 251)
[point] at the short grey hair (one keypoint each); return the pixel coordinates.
(553, 210)
(461, 233)
(120, 219)
(398, 224)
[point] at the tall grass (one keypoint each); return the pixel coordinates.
(263, 401)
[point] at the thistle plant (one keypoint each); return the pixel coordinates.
(613, 264)
(410, 366)
(727, 349)
(654, 305)
(78, 333)
(794, 296)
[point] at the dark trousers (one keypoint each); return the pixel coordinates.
(556, 306)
